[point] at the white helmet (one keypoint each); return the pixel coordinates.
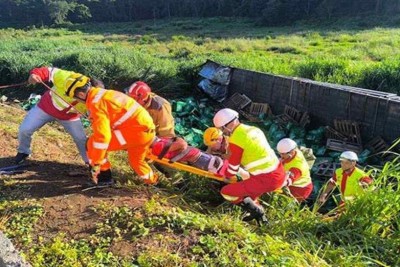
(286, 145)
(224, 116)
(349, 155)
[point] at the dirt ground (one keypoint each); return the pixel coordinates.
(55, 177)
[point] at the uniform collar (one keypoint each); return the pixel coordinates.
(349, 173)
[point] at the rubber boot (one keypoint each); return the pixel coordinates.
(105, 178)
(255, 211)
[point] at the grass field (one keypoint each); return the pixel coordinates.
(166, 53)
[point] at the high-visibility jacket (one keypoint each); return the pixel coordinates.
(251, 150)
(160, 110)
(300, 169)
(349, 183)
(56, 103)
(113, 111)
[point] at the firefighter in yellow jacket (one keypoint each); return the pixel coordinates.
(118, 123)
(249, 149)
(298, 179)
(351, 180)
(158, 107)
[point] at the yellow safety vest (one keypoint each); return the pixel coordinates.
(300, 163)
(58, 78)
(257, 157)
(353, 187)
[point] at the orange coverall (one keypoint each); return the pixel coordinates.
(119, 123)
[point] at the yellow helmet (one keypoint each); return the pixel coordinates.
(211, 135)
(74, 81)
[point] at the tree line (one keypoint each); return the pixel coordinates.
(267, 12)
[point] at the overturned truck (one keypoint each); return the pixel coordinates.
(356, 118)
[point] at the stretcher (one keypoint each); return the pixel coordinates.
(184, 167)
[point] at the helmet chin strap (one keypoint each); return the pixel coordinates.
(147, 102)
(226, 130)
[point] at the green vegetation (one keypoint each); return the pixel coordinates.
(172, 232)
(167, 54)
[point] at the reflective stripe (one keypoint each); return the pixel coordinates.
(131, 88)
(233, 167)
(266, 170)
(230, 198)
(147, 176)
(51, 74)
(120, 138)
(99, 95)
(58, 103)
(100, 145)
(127, 115)
(101, 162)
(349, 198)
(232, 172)
(256, 163)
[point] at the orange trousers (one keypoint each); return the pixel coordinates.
(136, 142)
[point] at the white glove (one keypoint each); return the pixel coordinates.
(243, 173)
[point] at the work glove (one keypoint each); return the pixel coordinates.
(243, 173)
(94, 173)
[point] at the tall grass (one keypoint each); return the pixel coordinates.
(121, 53)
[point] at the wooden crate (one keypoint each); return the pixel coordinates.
(326, 169)
(293, 113)
(253, 112)
(340, 145)
(351, 129)
(304, 120)
(333, 134)
(257, 109)
(377, 144)
(284, 119)
(237, 101)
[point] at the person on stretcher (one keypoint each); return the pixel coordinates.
(176, 149)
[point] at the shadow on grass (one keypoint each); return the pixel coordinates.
(45, 179)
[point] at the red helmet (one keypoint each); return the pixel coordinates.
(140, 91)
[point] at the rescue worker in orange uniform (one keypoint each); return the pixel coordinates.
(249, 149)
(350, 179)
(118, 123)
(158, 107)
(298, 179)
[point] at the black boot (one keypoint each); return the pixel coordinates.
(255, 211)
(20, 158)
(105, 178)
